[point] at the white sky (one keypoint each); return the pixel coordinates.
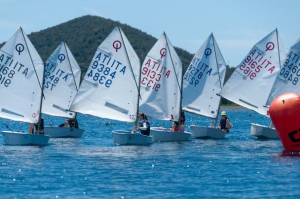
(237, 24)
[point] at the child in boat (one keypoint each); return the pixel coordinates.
(175, 126)
(39, 127)
(224, 124)
(144, 125)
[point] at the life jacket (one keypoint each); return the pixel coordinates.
(223, 122)
(147, 131)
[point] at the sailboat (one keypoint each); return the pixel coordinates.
(287, 79)
(161, 89)
(202, 82)
(110, 88)
(62, 78)
(252, 80)
(21, 85)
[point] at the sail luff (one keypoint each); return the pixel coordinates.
(218, 110)
(167, 42)
(137, 83)
(31, 59)
(279, 57)
(77, 87)
(41, 86)
(179, 86)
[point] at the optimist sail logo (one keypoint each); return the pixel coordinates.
(117, 45)
(19, 48)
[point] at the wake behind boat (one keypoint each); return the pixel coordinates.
(202, 81)
(62, 78)
(22, 73)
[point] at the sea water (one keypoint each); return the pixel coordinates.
(240, 166)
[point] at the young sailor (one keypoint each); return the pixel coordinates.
(144, 125)
(224, 124)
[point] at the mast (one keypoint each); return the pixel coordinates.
(137, 84)
(278, 50)
(72, 72)
(180, 101)
(213, 38)
(180, 87)
(172, 60)
(70, 66)
(41, 86)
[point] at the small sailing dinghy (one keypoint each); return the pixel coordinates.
(202, 82)
(252, 80)
(62, 78)
(110, 88)
(161, 86)
(21, 84)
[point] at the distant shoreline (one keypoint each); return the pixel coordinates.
(231, 107)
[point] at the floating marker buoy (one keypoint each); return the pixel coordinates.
(285, 115)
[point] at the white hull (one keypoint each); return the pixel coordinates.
(127, 138)
(261, 131)
(207, 132)
(21, 138)
(163, 135)
(63, 132)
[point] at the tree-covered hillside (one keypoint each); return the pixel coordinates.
(84, 34)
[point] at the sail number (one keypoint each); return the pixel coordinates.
(291, 71)
(52, 76)
(104, 69)
(9, 69)
(196, 71)
(6, 75)
(150, 78)
(152, 73)
(254, 63)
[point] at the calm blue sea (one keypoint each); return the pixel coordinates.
(239, 166)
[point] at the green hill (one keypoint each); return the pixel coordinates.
(84, 34)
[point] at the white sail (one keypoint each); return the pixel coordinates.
(287, 79)
(62, 78)
(161, 81)
(110, 89)
(21, 78)
(203, 80)
(252, 80)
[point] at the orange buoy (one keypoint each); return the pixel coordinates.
(285, 115)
